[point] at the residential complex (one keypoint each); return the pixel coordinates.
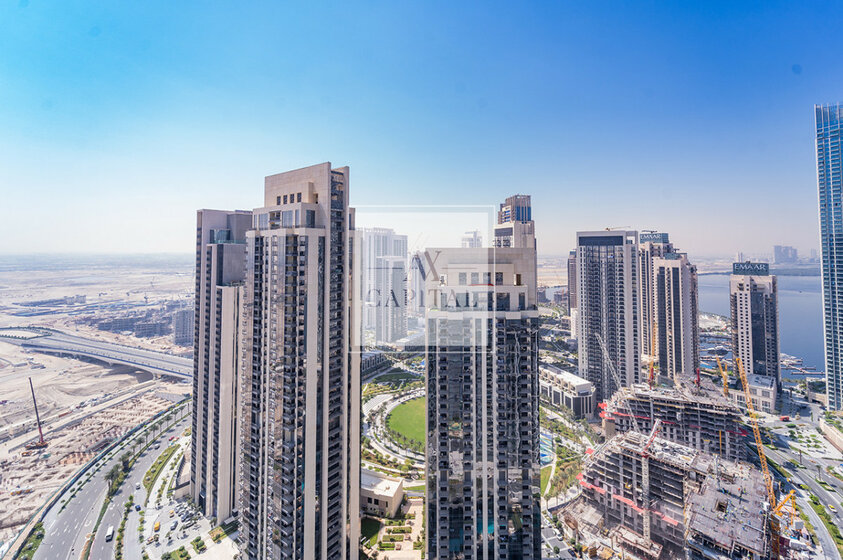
(829, 177)
(755, 318)
(300, 421)
(482, 408)
(608, 306)
(561, 388)
(183, 327)
(220, 253)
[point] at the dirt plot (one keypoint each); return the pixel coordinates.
(27, 480)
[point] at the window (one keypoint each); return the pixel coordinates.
(298, 197)
(498, 278)
(475, 278)
(285, 199)
(278, 199)
(463, 279)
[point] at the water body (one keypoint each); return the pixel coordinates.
(800, 313)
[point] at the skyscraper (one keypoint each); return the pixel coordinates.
(572, 281)
(675, 309)
(608, 307)
(300, 462)
(383, 272)
(785, 254)
(220, 252)
(652, 245)
(482, 412)
(755, 319)
(515, 227)
(829, 178)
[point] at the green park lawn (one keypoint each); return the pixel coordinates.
(408, 419)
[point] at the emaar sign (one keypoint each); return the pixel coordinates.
(755, 269)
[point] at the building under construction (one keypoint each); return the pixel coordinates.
(657, 499)
(699, 417)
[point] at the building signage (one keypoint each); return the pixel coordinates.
(653, 238)
(750, 268)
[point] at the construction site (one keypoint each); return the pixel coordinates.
(676, 491)
(697, 416)
(35, 464)
(654, 498)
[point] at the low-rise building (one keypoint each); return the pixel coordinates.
(763, 391)
(371, 361)
(380, 494)
(562, 388)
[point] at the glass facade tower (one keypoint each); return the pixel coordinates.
(828, 119)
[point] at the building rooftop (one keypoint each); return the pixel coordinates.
(379, 483)
(763, 381)
(577, 382)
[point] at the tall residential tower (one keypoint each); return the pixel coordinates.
(482, 389)
(675, 309)
(220, 253)
(608, 308)
(829, 179)
(755, 319)
(300, 462)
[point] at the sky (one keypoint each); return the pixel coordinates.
(118, 120)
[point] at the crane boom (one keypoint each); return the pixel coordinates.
(725, 374)
(611, 364)
(759, 444)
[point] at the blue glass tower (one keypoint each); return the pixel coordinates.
(828, 120)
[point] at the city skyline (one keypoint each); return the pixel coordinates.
(106, 108)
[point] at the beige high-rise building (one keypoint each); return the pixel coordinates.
(651, 245)
(755, 319)
(300, 454)
(220, 253)
(676, 316)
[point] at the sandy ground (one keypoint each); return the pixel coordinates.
(40, 473)
(82, 405)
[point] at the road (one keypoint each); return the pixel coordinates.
(56, 342)
(65, 531)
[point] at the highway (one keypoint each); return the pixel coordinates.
(55, 342)
(65, 531)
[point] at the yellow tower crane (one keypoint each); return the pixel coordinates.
(724, 372)
(759, 444)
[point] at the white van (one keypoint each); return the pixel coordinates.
(110, 533)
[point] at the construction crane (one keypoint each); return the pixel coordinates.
(652, 379)
(608, 360)
(41, 443)
(656, 426)
(725, 374)
(759, 445)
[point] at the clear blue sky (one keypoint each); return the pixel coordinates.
(119, 119)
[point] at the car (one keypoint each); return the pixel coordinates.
(137, 485)
(137, 507)
(832, 508)
(173, 525)
(172, 513)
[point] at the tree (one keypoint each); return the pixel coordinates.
(126, 460)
